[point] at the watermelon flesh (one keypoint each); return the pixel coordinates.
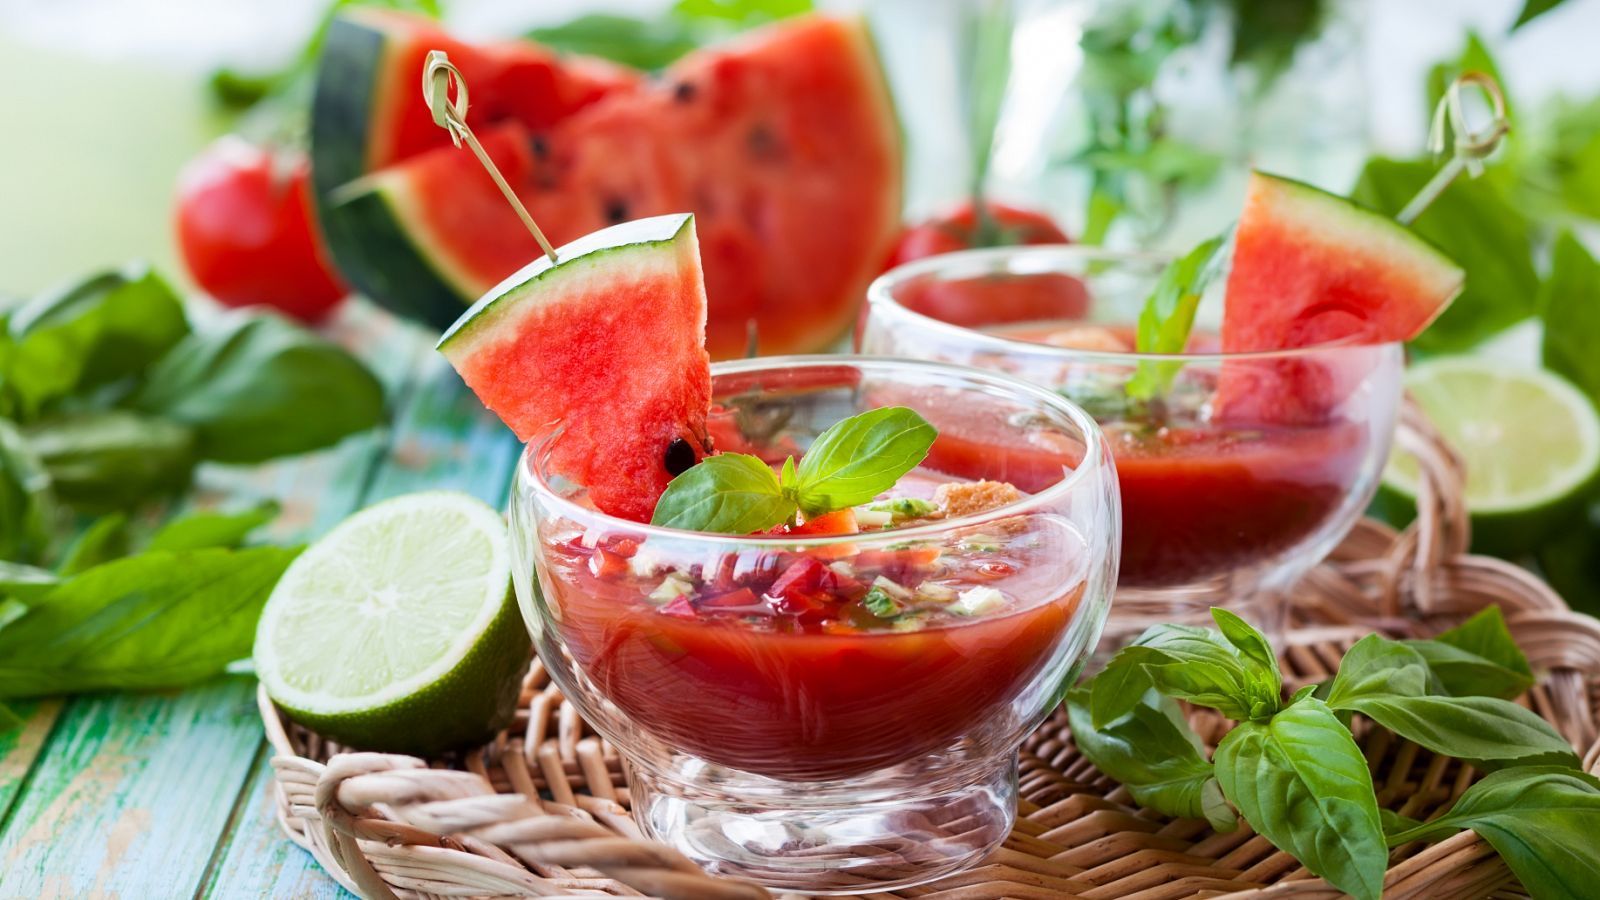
(784, 144)
(1312, 269)
(608, 344)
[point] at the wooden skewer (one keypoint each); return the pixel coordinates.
(1468, 148)
(438, 74)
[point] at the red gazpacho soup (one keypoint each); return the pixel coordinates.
(813, 663)
(1200, 498)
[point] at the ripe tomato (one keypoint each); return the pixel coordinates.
(994, 299)
(247, 234)
(959, 229)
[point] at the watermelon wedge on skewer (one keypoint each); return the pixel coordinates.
(608, 342)
(1314, 269)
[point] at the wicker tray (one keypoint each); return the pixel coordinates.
(543, 810)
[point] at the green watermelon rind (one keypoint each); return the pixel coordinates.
(365, 230)
(1362, 226)
(584, 255)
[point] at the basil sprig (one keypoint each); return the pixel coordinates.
(1168, 316)
(852, 462)
(1294, 772)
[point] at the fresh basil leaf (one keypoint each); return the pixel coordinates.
(1487, 732)
(1308, 690)
(9, 720)
(730, 493)
(1193, 664)
(1571, 315)
(1253, 646)
(1475, 225)
(23, 583)
(1377, 666)
(107, 327)
(1532, 9)
(1118, 687)
(1301, 782)
(1478, 658)
(1394, 823)
(114, 459)
(27, 503)
(860, 457)
(104, 540)
(1152, 751)
(742, 13)
(155, 620)
(1541, 820)
(1168, 315)
(260, 388)
(212, 529)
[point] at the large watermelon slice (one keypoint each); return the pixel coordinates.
(1311, 268)
(608, 342)
(784, 144)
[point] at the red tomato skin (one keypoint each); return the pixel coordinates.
(248, 234)
(958, 230)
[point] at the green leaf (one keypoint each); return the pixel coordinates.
(1152, 751)
(1168, 315)
(1302, 783)
(641, 43)
(1478, 658)
(1475, 225)
(1487, 732)
(27, 504)
(1253, 646)
(879, 603)
(1193, 664)
(1570, 299)
(1541, 820)
(104, 540)
(115, 459)
(860, 457)
(742, 13)
(1388, 682)
(1533, 9)
(155, 620)
(9, 720)
(1377, 666)
(104, 328)
(259, 388)
(212, 529)
(1118, 687)
(24, 583)
(730, 493)
(1394, 823)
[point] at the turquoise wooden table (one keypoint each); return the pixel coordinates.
(170, 795)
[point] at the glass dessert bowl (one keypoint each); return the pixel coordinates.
(1238, 471)
(835, 712)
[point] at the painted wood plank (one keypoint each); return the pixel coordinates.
(19, 747)
(443, 439)
(133, 792)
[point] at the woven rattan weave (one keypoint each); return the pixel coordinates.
(543, 810)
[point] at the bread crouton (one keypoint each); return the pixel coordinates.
(972, 497)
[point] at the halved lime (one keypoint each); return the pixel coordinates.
(398, 629)
(1530, 439)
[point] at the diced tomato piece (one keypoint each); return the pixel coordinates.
(605, 564)
(802, 604)
(804, 577)
(834, 626)
(623, 547)
(680, 607)
(838, 522)
(741, 597)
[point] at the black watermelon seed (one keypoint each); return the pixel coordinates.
(616, 211)
(679, 458)
(683, 91)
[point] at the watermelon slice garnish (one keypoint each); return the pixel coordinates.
(609, 343)
(1311, 269)
(783, 143)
